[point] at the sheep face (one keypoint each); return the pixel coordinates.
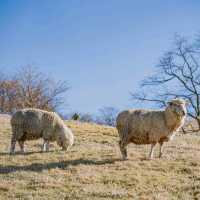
(63, 140)
(65, 145)
(178, 106)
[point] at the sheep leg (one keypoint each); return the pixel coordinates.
(45, 146)
(21, 145)
(161, 149)
(12, 146)
(123, 150)
(152, 151)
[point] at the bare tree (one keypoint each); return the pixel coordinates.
(31, 88)
(177, 75)
(86, 117)
(107, 116)
(8, 93)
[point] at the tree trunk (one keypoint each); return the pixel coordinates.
(198, 122)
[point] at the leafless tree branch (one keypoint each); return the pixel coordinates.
(178, 70)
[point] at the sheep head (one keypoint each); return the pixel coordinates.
(178, 107)
(175, 114)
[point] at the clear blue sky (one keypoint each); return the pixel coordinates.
(102, 47)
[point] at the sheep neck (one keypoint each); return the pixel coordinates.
(173, 121)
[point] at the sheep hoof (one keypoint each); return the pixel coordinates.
(150, 158)
(22, 152)
(124, 158)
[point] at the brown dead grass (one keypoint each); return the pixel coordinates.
(92, 169)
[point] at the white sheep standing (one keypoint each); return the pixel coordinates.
(32, 124)
(150, 126)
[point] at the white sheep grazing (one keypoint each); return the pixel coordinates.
(150, 126)
(32, 124)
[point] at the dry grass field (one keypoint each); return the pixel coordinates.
(92, 169)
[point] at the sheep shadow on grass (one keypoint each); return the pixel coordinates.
(39, 167)
(26, 153)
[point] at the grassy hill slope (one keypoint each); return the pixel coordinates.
(92, 169)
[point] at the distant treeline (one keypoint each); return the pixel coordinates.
(105, 116)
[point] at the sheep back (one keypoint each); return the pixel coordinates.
(30, 124)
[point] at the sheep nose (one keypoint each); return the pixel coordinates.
(184, 113)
